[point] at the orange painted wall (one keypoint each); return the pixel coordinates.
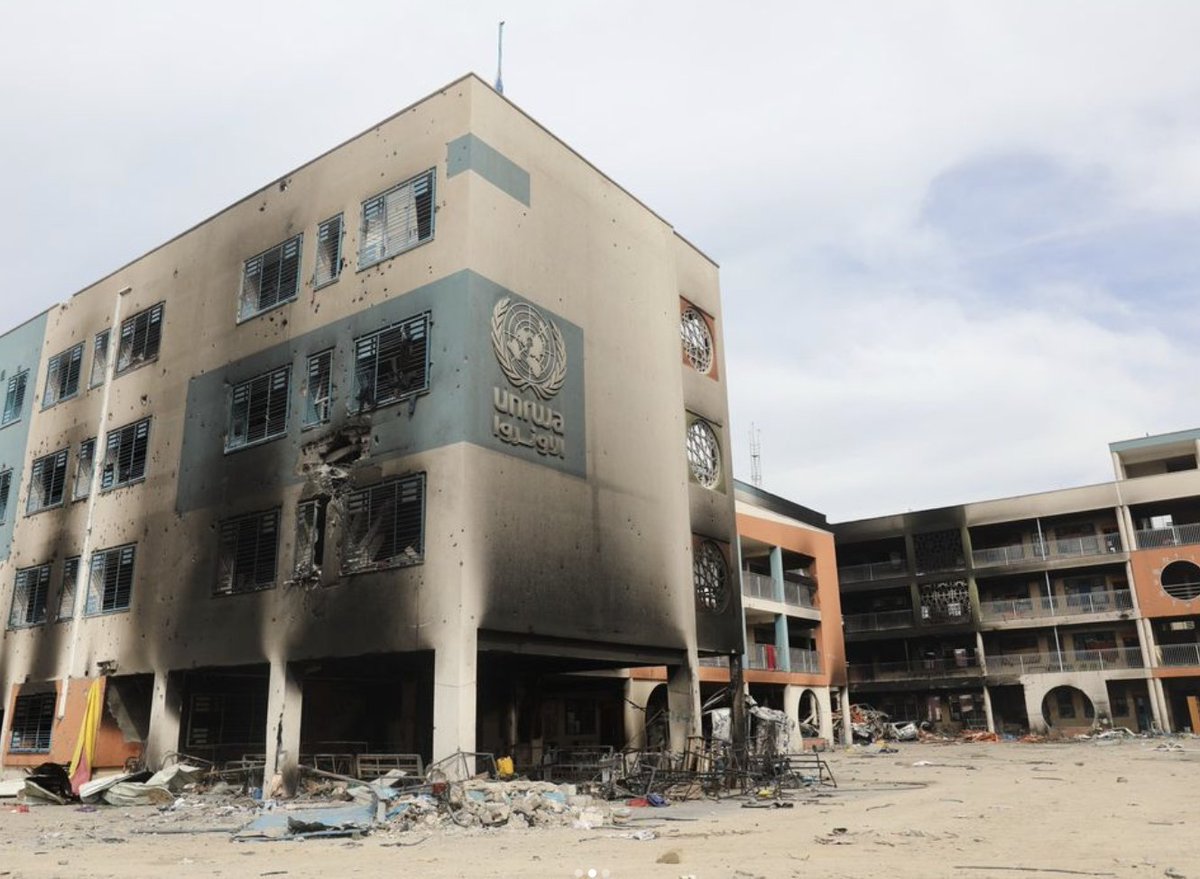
(111, 748)
(819, 545)
(1146, 565)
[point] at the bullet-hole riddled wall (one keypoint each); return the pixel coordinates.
(413, 450)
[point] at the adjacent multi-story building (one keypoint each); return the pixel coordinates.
(1054, 610)
(794, 659)
(383, 457)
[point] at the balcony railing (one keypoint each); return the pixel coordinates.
(804, 660)
(917, 669)
(758, 585)
(1179, 654)
(878, 621)
(798, 594)
(872, 571)
(1173, 535)
(761, 586)
(1035, 550)
(714, 661)
(1076, 660)
(1065, 605)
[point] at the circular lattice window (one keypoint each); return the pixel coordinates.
(697, 340)
(704, 453)
(711, 576)
(1181, 580)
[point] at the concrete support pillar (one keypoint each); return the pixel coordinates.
(791, 702)
(454, 697)
(987, 710)
(683, 702)
(1033, 708)
(847, 730)
(979, 654)
(166, 712)
(825, 725)
(777, 572)
(285, 702)
(1158, 704)
(783, 644)
(637, 697)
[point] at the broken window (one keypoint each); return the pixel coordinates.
(310, 536)
(329, 252)
(396, 220)
(32, 723)
(66, 590)
(318, 390)
(392, 363)
(270, 279)
(258, 409)
(140, 338)
(247, 556)
(29, 597)
(84, 468)
(47, 480)
(125, 455)
(14, 399)
(5, 487)
(385, 525)
(62, 376)
(99, 359)
(110, 580)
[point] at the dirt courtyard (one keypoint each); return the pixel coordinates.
(966, 811)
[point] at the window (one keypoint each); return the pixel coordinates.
(29, 597)
(14, 399)
(99, 359)
(704, 453)
(318, 390)
(392, 363)
(1181, 579)
(47, 481)
(32, 723)
(385, 525)
(5, 487)
(248, 549)
(270, 279)
(140, 337)
(110, 580)
(710, 576)
(697, 340)
(258, 409)
(125, 455)
(66, 591)
(396, 220)
(1066, 702)
(329, 252)
(84, 468)
(62, 376)
(310, 536)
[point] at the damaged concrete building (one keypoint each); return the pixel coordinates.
(409, 451)
(1054, 611)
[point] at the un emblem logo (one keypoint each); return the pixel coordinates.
(529, 348)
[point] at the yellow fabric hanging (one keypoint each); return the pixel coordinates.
(85, 746)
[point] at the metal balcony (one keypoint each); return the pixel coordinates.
(1178, 654)
(1116, 658)
(916, 669)
(878, 621)
(794, 593)
(1174, 535)
(1067, 605)
(1035, 550)
(872, 571)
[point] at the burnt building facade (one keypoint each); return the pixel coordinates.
(408, 451)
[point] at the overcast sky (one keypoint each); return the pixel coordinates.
(958, 240)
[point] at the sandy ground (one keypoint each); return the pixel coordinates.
(1119, 809)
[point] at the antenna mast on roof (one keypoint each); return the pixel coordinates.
(500, 58)
(755, 456)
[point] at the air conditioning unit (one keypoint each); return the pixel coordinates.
(1182, 626)
(925, 611)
